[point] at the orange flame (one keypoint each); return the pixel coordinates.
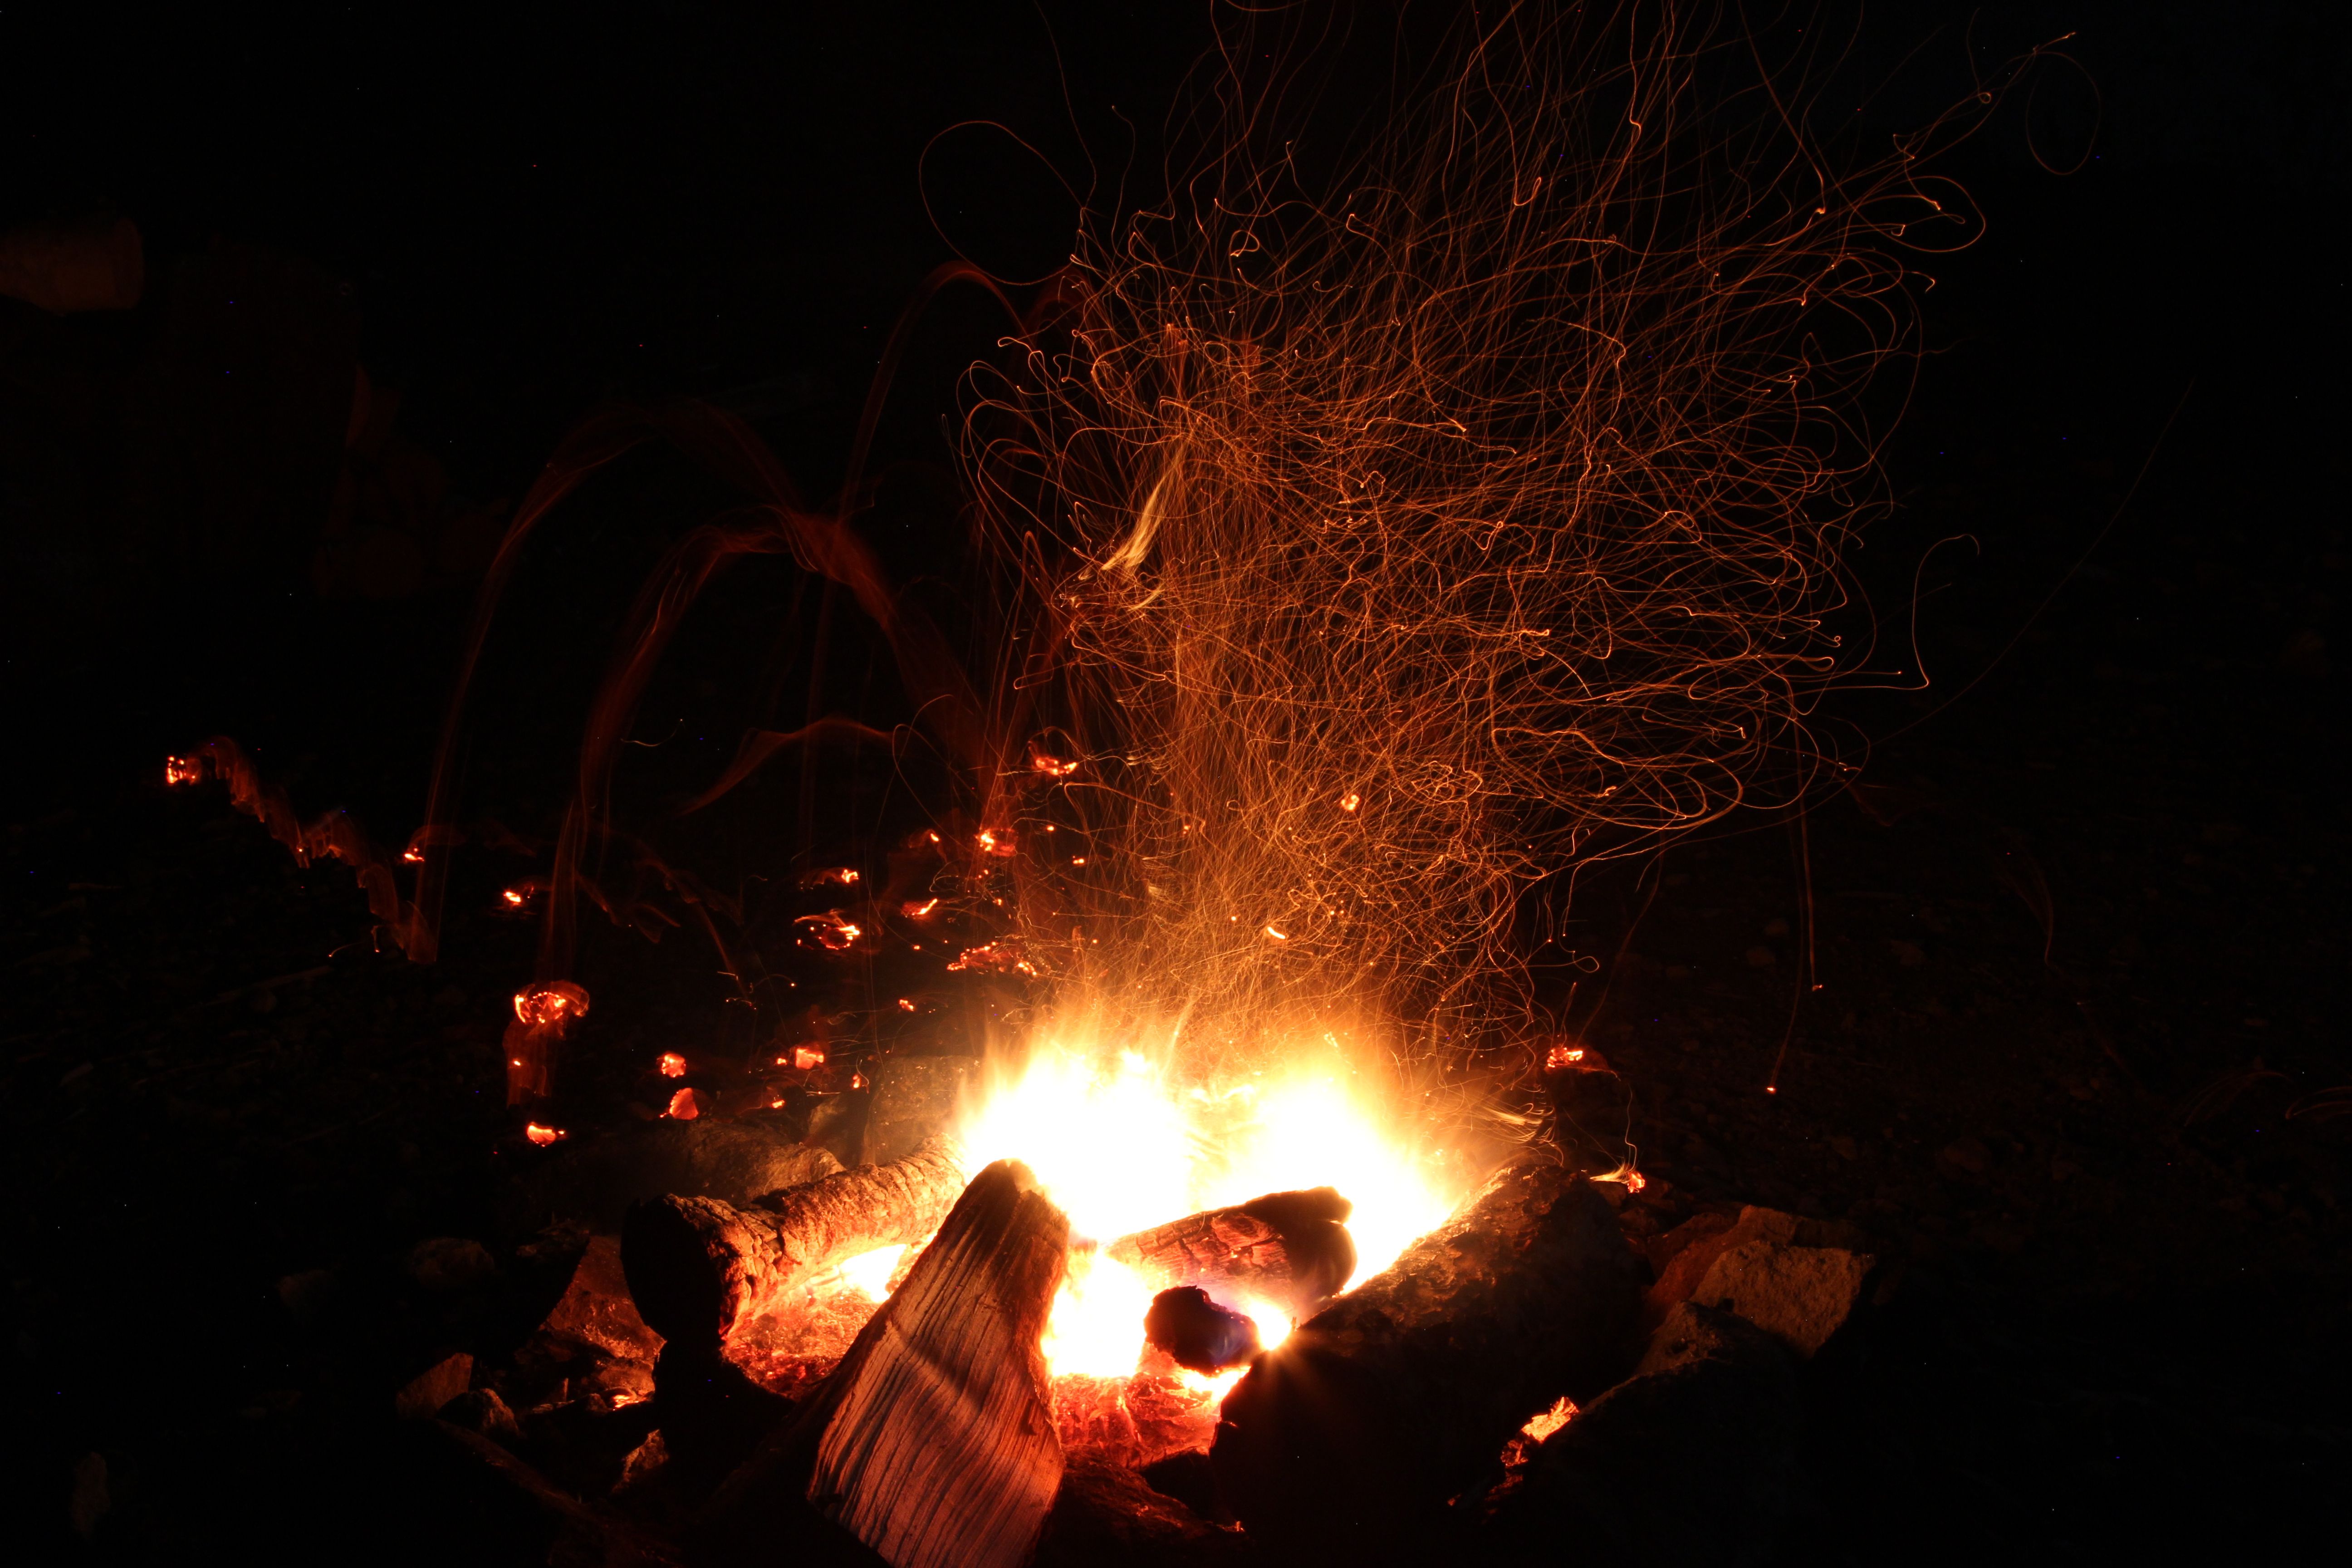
(542, 1136)
(672, 1065)
(684, 1106)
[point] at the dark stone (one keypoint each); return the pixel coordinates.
(1106, 1515)
(1190, 1478)
(1197, 1332)
(480, 1410)
(1691, 1461)
(710, 1414)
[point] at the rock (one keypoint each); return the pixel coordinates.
(1683, 1257)
(1693, 1460)
(434, 1387)
(595, 1310)
(449, 1263)
(914, 1097)
(480, 1410)
(1800, 1295)
(734, 1161)
(1106, 1515)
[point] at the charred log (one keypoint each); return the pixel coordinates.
(1291, 1248)
(932, 1442)
(697, 1267)
(1399, 1395)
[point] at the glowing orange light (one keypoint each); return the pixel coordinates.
(858, 1080)
(413, 855)
(994, 958)
(556, 1002)
(1077, 859)
(542, 1136)
(906, 1003)
(672, 1065)
(832, 876)
(993, 842)
(915, 911)
(1051, 768)
(1563, 1057)
(684, 1106)
(183, 771)
(832, 930)
(1545, 1423)
(513, 896)
(808, 1056)
(1278, 935)
(1349, 801)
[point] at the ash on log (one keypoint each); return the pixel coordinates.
(1400, 1393)
(1291, 1248)
(933, 1442)
(697, 1267)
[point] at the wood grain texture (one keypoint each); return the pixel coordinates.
(933, 1443)
(698, 1267)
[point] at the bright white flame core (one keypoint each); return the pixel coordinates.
(1121, 1146)
(870, 1271)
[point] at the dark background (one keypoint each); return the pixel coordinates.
(2120, 1327)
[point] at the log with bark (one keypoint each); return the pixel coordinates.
(1291, 1251)
(1402, 1393)
(697, 1267)
(932, 1442)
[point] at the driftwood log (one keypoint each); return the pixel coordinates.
(932, 1442)
(697, 1267)
(1291, 1249)
(1400, 1393)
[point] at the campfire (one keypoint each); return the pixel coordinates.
(1356, 567)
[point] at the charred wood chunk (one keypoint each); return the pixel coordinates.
(1402, 1392)
(697, 1267)
(932, 1442)
(1198, 1334)
(710, 1414)
(1291, 1248)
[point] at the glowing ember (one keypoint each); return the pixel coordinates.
(995, 958)
(832, 876)
(1051, 768)
(550, 1005)
(1545, 1423)
(514, 896)
(808, 1056)
(1563, 1057)
(998, 841)
(1349, 801)
(542, 1136)
(413, 855)
(183, 771)
(906, 1003)
(832, 930)
(684, 1106)
(672, 1065)
(915, 911)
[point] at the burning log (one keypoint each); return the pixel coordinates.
(1290, 1248)
(1400, 1394)
(697, 1267)
(1198, 1334)
(933, 1442)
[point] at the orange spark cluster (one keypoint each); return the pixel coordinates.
(1393, 547)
